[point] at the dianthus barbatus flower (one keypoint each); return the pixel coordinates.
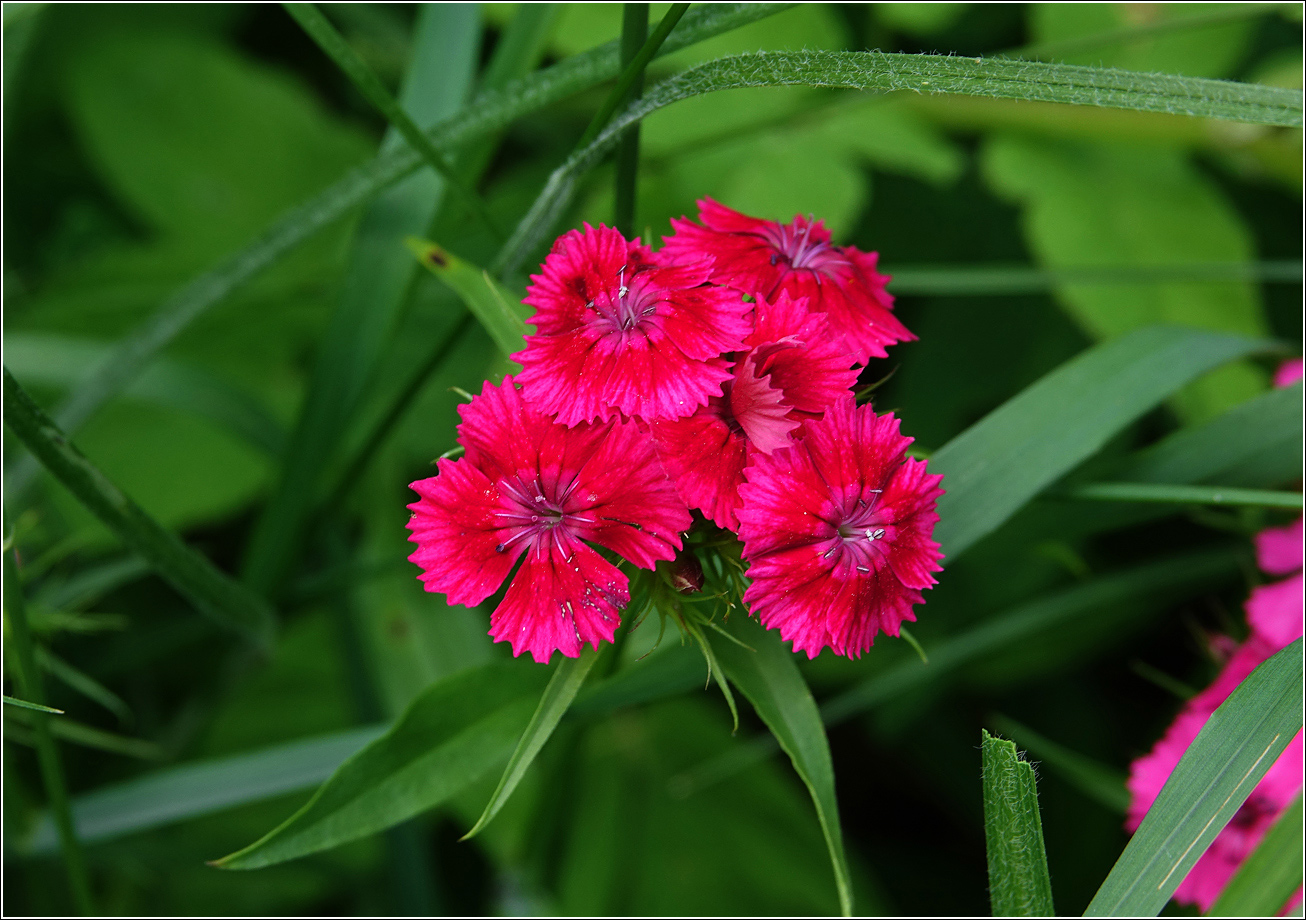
(762, 257)
(617, 333)
(529, 487)
(792, 370)
(837, 532)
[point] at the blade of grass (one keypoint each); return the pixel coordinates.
(983, 280)
(373, 90)
(765, 671)
(487, 113)
(85, 735)
(1222, 766)
(874, 70)
(32, 686)
(502, 314)
(1013, 831)
(1096, 780)
(36, 707)
(562, 689)
(83, 683)
(212, 592)
(378, 277)
(1183, 495)
(1266, 879)
(634, 33)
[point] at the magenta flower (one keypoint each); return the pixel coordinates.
(762, 258)
(531, 489)
(1274, 793)
(1289, 372)
(1275, 611)
(792, 370)
(837, 532)
(617, 333)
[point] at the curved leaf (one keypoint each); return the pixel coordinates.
(765, 672)
(449, 737)
(1239, 743)
(1018, 865)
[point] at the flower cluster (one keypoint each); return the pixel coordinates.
(714, 375)
(1275, 618)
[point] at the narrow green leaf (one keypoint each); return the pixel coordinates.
(1183, 495)
(922, 73)
(212, 592)
(85, 735)
(195, 789)
(1266, 879)
(83, 683)
(23, 704)
(30, 682)
(450, 736)
(562, 689)
(1096, 780)
(502, 314)
(985, 280)
(998, 464)
(1239, 743)
(765, 672)
(320, 29)
(1018, 865)
(670, 673)
(487, 113)
(377, 279)
(634, 33)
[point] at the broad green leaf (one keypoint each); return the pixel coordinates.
(756, 662)
(1239, 743)
(193, 789)
(1000, 463)
(484, 115)
(1018, 866)
(210, 590)
(1096, 780)
(451, 735)
(501, 313)
(1267, 878)
(1183, 495)
(1090, 203)
(873, 70)
(24, 704)
(562, 689)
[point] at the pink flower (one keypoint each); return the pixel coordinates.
(762, 257)
(791, 371)
(836, 529)
(531, 489)
(1289, 372)
(617, 333)
(1275, 611)
(1272, 795)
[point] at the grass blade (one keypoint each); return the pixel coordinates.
(196, 789)
(562, 689)
(1268, 878)
(765, 672)
(983, 280)
(1183, 495)
(502, 314)
(634, 33)
(450, 736)
(85, 735)
(921, 73)
(378, 277)
(35, 707)
(997, 465)
(211, 591)
(83, 683)
(1018, 865)
(32, 685)
(1239, 743)
(1096, 780)
(373, 90)
(487, 113)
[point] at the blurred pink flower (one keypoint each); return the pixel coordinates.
(1289, 372)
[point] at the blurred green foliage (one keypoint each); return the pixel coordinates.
(146, 143)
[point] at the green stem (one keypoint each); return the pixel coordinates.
(634, 32)
(369, 84)
(211, 591)
(32, 686)
(1183, 495)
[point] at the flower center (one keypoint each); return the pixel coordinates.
(622, 310)
(861, 539)
(534, 511)
(796, 246)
